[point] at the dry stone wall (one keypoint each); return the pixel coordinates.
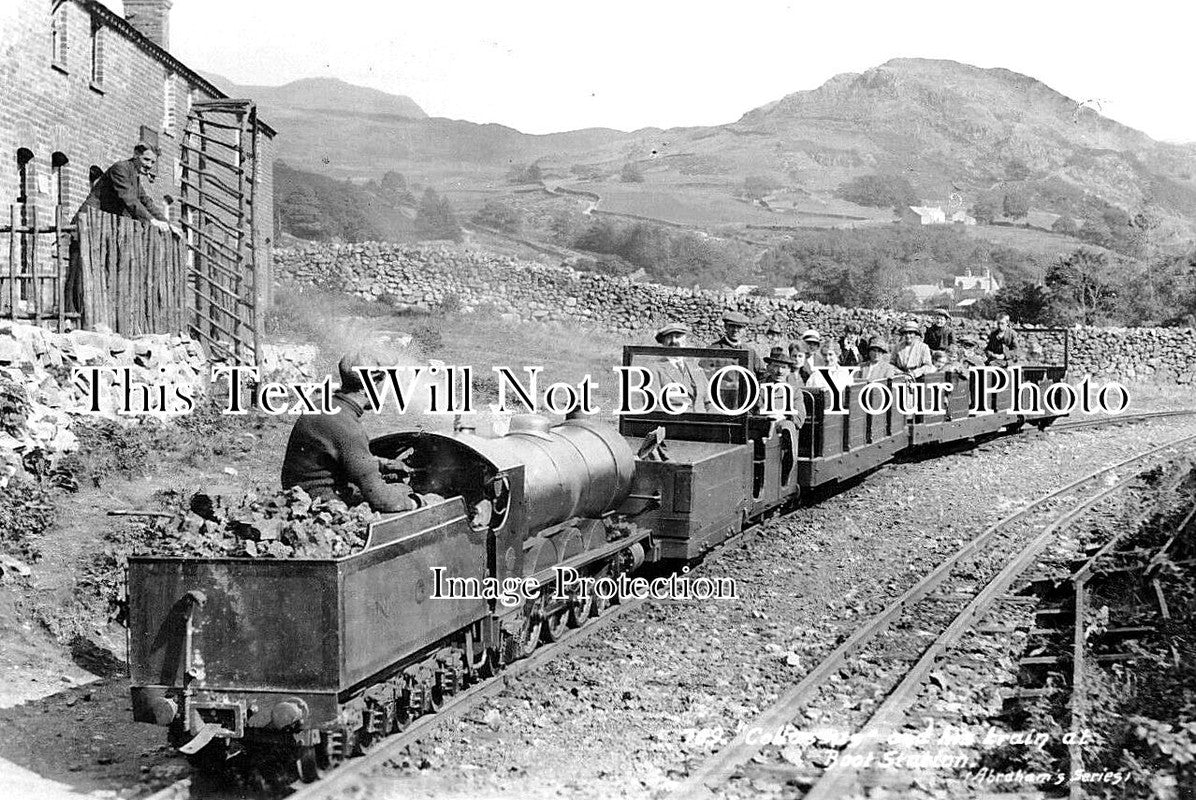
(425, 278)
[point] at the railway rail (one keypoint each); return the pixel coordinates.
(1122, 419)
(838, 779)
(343, 777)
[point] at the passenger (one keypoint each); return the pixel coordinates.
(965, 356)
(1001, 349)
(812, 343)
(878, 367)
(774, 337)
(852, 346)
(679, 370)
(734, 327)
(328, 455)
(939, 335)
(939, 358)
(913, 356)
(783, 370)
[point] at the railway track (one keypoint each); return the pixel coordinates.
(741, 756)
(1122, 419)
(343, 778)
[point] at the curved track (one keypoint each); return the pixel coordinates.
(838, 780)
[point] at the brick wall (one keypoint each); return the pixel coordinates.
(48, 107)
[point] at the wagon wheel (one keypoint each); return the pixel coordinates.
(308, 764)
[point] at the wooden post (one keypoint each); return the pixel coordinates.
(37, 295)
(12, 262)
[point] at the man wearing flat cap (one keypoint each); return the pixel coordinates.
(679, 370)
(735, 325)
(877, 368)
(782, 369)
(939, 335)
(912, 356)
(774, 337)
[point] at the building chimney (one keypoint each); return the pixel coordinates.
(151, 18)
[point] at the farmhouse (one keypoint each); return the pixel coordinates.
(935, 215)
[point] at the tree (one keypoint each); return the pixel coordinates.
(631, 173)
(878, 191)
(525, 174)
(757, 187)
(1015, 205)
(1066, 226)
(500, 216)
(301, 214)
(984, 210)
(435, 218)
(1082, 288)
(1025, 302)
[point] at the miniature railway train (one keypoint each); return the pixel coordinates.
(293, 665)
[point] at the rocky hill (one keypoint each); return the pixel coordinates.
(950, 129)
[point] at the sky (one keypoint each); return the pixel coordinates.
(552, 66)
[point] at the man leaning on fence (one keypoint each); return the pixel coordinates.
(118, 191)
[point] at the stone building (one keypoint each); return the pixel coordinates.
(79, 86)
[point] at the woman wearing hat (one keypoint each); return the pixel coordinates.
(912, 356)
(878, 367)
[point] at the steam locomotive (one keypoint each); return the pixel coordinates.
(293, 665)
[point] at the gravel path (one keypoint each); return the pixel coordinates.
(624, 714)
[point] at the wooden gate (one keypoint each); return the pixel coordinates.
(219, 160)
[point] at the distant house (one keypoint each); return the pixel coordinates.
(970, 285)
(786, 293)
(927, 292)
(935, 215)
(929, 215)
(744, 288)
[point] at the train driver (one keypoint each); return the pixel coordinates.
(679, 370)
(328, 455)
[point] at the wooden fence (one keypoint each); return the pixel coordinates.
(33, 282)
(133, 276)
(98, 269)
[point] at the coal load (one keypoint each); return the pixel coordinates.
(286, 524)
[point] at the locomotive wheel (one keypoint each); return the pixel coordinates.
(579, 612)
(308, 763)
(557, 624)
(524, 643)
